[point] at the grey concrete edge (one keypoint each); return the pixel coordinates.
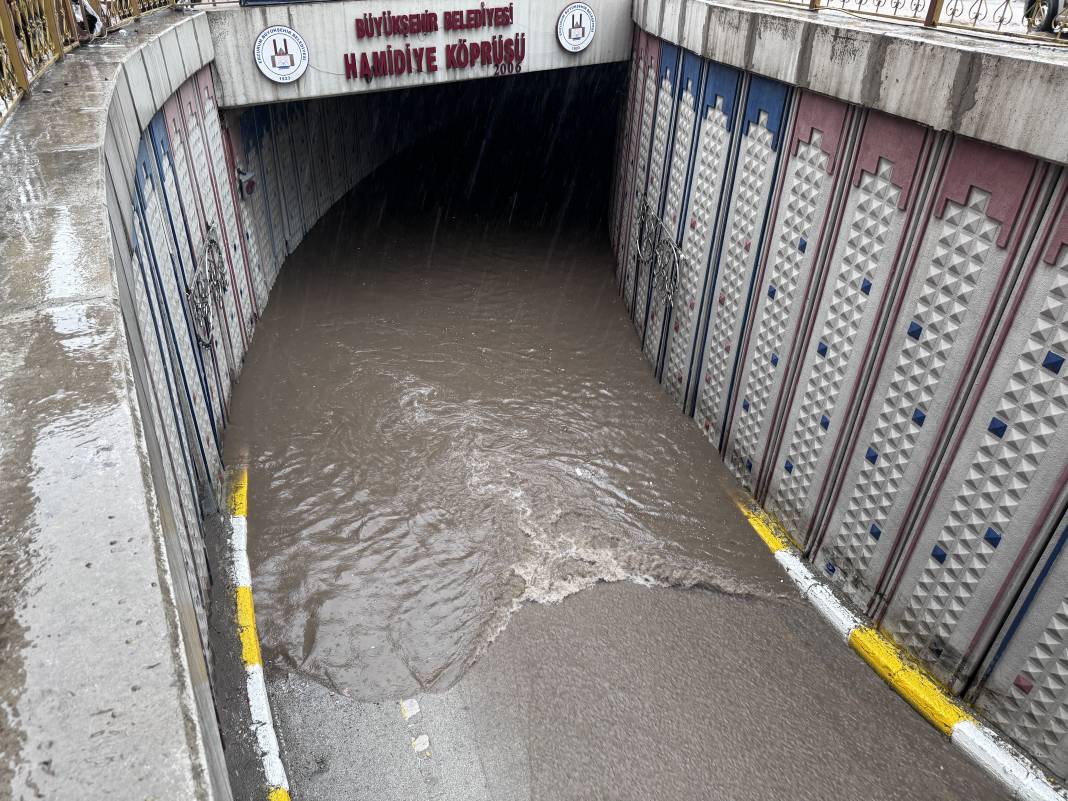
(1008, 93)
(166, 60)
(162, 743)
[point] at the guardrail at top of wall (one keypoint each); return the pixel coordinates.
(34, 34)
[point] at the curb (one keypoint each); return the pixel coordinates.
(1019, 774)
(256, 687)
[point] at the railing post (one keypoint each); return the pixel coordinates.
(52, 23)
(934, 13)
(813, 5)
(71, 25)
(135, 7)
(7, 24)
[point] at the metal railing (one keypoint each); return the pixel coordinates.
(36, 33)
(1037, 20)
(656, 246)
(207, 288)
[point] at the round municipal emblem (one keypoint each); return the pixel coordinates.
(281, 54)
(576, 26)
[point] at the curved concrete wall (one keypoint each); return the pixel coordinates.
(868, 318)
(105, 683)
(216, 203)
(116, 380)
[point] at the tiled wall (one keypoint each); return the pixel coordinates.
(219, 201)
(868, 320)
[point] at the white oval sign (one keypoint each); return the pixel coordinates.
(576, 26)
(281, 54)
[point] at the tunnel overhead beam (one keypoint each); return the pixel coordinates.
(339, 49)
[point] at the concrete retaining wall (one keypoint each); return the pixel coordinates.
(868, 318)
(217, 203)
(134, 262)
(105, 683)
(1006, 92)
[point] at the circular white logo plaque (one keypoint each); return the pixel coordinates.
(281, 54)
(576, 26)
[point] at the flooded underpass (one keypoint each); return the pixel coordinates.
(491, 559)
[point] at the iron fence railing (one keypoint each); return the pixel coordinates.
(36, 33)
(1038, 20)
(657, 247)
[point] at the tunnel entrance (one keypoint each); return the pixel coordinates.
(528, 151)
(450, 428)
(444, 413)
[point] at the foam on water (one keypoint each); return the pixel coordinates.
(436, 442)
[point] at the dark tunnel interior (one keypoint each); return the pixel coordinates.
(525, 151)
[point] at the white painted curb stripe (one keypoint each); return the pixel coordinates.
(1004, 763)
(842, 620)
(1013, 769)
(263, 726)
(255, 685)
(240, 572)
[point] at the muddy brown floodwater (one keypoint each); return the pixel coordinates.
(450, 428)
(445, 419)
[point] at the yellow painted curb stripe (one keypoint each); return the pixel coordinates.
(239, 493)
(278, 794)
(911, 683)
(760, 524)
(246, 627)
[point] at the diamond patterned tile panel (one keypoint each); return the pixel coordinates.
(673, 207)
(1009, 461)
(960, 250)
(248, 218)
(777, 301)
(624, 178)
(231, 235)
(273, 196)
(313, 115)
(752, 187)
(187, 370)
(231, 327)
(859, 271)
(174, 463)
(259, 217)
(645, 138)
(304, 168)
(665, 103)
(289, 194)
(1027, 697)
(177, 188)
(697, 236)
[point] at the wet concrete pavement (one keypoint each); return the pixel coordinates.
(623, 692)
(468, 492)
(98, 689)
